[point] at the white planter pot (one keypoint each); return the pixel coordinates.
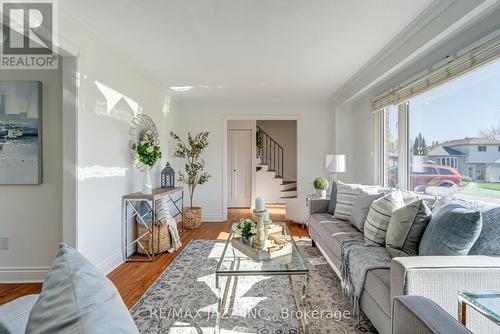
(321, 193)
(147, 187)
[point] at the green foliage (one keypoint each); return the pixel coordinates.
(147, 150)
(246, 228)
(191, 151)
(419, 146)
(320, 183)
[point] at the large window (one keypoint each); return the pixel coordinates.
(390, 147)
(453, 137)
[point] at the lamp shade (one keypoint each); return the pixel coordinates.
(335, 163)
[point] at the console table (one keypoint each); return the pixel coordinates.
(131, 213)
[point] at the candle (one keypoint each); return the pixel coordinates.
(260, 204)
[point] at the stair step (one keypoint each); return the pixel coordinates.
(287, 182)
(278, 177)
(271, 170)
(291, 189)
(288, 197)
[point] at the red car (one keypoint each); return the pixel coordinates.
(428, 174)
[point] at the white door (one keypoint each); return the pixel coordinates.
(239, 151)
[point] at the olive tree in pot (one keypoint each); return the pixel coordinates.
(193, 174)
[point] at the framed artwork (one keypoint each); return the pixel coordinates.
(20, 132)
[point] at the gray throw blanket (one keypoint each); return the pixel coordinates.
(356, 259)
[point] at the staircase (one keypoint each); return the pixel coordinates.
(270, 171)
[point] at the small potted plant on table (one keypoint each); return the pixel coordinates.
(193, 174)
(321, 184)
(247, 229)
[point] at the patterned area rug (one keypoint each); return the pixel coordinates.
(184, 299)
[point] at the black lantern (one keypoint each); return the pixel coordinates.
(167, 177)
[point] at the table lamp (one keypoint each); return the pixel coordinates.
(335, 163)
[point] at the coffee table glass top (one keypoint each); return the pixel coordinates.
(233, 262)
(485, 301)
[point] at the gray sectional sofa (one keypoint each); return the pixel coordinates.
(438, 278)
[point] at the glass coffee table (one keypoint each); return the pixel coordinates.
(233, 263)
(486, 302)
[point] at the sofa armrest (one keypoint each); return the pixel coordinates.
(318, 205)
(440, 278)
(417, 314)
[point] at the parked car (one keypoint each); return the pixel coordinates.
(428, 174)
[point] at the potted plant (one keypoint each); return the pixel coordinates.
(193, 174)
(148, 153)
(321, 184)
(247, 229)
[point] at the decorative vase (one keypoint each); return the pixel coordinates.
(147, 187)
(248, 241)
(321, 193)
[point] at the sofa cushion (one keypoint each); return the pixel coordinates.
(379, 217)
(406, 226)
(333, 199)
(14, 314)
(453, 230)
(77, 298)
(361, 207)
(346, 196)
(378, 285)
(334, 231)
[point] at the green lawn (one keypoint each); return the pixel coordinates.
(483, 185)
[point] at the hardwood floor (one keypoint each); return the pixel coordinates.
(132, 279)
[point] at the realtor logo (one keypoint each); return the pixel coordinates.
(28, 35)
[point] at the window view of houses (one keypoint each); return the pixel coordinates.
(454, 137)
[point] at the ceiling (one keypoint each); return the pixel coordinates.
(253, 49)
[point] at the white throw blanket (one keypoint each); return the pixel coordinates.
(164, 216)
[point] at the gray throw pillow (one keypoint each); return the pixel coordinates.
(453, 230)
(360, 209)
(3, 328)
(406, 226)
(346, 195)
(379, 216)
(333, 199)
(77, 298)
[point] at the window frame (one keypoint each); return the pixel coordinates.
(480, 148)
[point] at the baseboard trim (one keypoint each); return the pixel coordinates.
(212, 218)
(23, 275)
(111, 263)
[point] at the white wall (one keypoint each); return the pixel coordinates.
(111, 92)
(353, 120)
(31, 214)
(285, 134)
(313, 128)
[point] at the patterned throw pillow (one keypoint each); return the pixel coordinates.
(346, 196)
(379, 216)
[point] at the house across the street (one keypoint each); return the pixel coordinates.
(477, 158)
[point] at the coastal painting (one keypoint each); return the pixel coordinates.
(20, 132)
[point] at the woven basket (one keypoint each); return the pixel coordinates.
(192, 218)
(162, 240)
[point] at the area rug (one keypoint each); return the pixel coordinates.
(184, 298)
